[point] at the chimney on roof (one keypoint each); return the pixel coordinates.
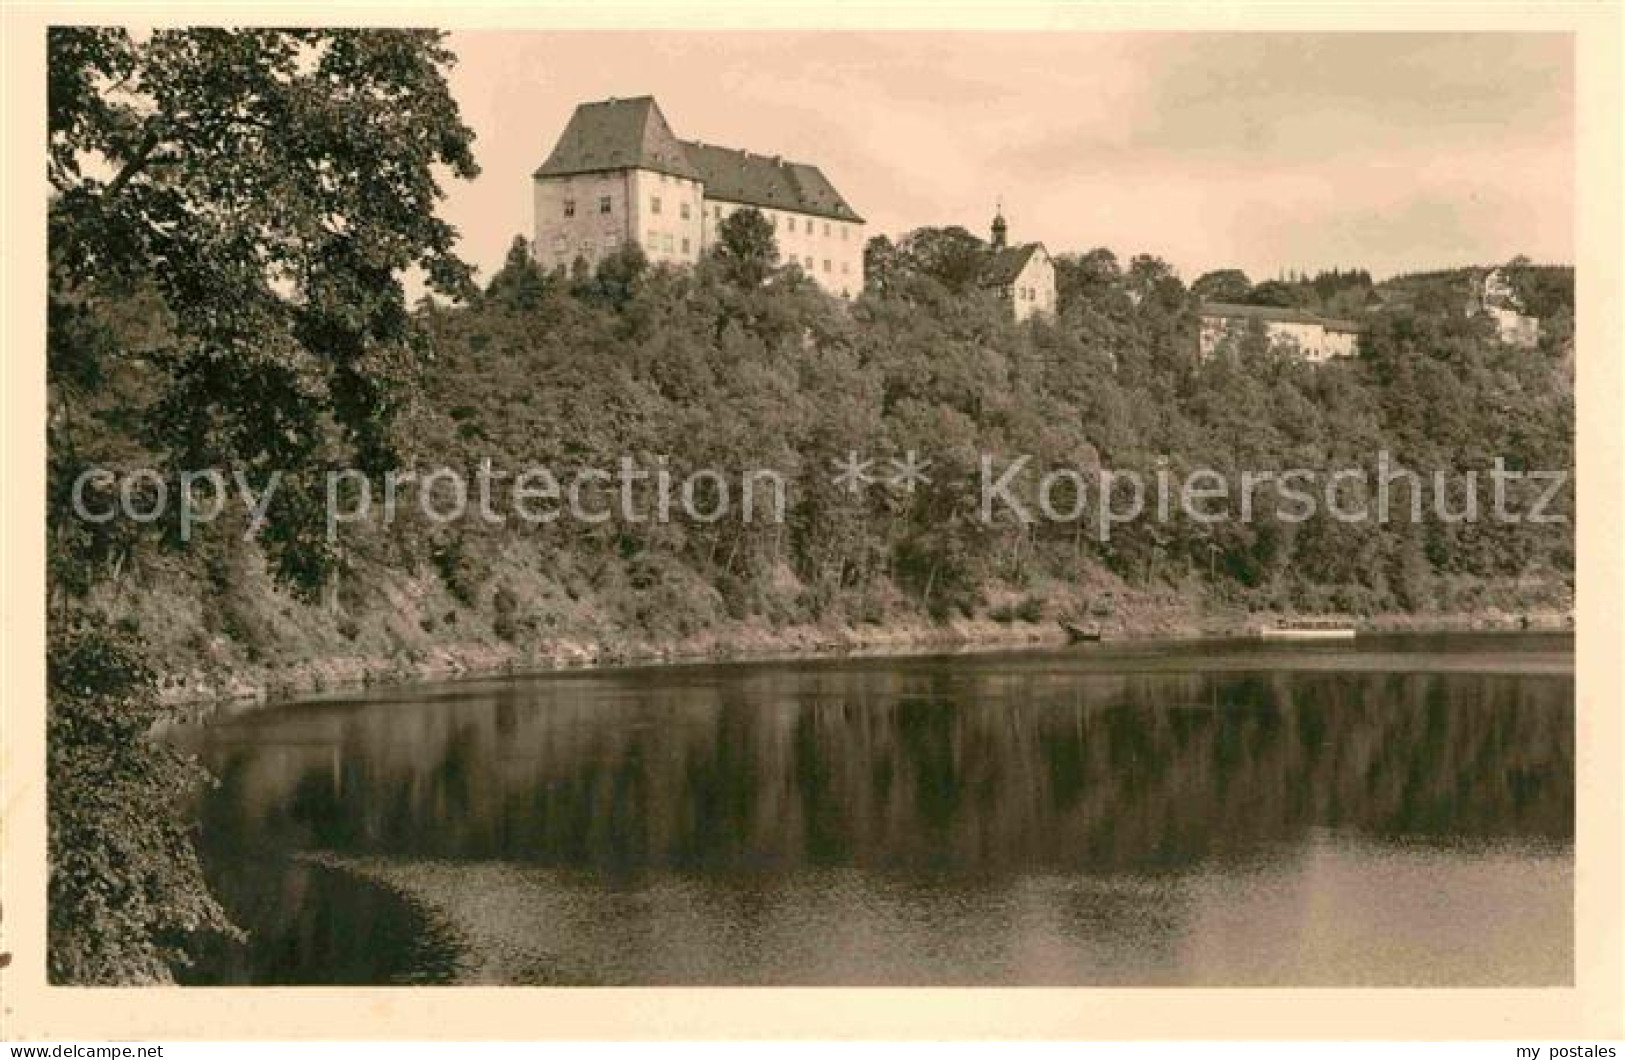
(613, 100)
(778, 160)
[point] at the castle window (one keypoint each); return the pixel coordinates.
(685, 246)
(792, 224)
(843, 231)
(569, 207)
(826, 265)
(716, 211)
(654, 204)
(809, 262)
(826, 228)
(654, 240)
(667, 242)
(604, 204)
(846, 266)
(683, 211)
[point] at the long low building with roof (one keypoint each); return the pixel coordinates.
(1313, 337)
(619, 175)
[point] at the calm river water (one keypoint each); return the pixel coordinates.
(1399, 811)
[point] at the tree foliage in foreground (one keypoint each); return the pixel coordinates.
(746, 250)
(256, 195)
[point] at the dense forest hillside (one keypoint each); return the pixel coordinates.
(731, 368)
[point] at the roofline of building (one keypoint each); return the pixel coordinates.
(1026, 250)
(686, 169)
(1274, 314)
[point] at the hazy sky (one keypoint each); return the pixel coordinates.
(1260, 151)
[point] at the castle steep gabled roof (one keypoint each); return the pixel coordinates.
(771, 183)
(618, 134)
(632, 134)
(1006, 264)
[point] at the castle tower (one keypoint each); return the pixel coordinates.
(618, 176)
(1001, 230)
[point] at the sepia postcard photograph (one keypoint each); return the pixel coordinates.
(1061, 522)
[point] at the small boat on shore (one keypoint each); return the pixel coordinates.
(1078, 633)
(1308, 629)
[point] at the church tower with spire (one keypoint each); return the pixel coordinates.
(1023, 276)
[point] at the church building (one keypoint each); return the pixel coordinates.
(1023, 276)
(619, 175)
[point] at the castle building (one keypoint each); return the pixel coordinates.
(1314, 338)
(619, 175)
(1023, 276)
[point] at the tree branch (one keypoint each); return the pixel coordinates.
(135, 165)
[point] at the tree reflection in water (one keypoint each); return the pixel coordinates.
(938, 773)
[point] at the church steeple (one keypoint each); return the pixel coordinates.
(1001, 231)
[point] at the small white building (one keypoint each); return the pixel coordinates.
(1314, 338)
(1023, 276)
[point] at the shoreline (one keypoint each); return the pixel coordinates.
(341, 675)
